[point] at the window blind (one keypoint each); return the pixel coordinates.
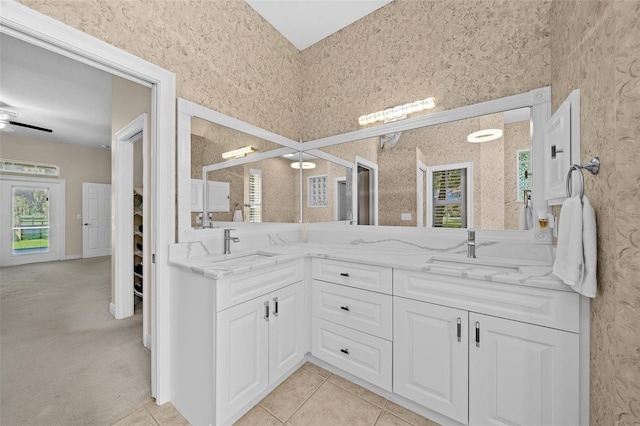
(450, 199)
(255, 195)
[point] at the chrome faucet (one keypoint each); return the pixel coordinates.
(227, 240)
(471, 243)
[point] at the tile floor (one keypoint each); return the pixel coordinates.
(312, 396)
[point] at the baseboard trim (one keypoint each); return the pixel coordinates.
(112, 309)
(72, 256)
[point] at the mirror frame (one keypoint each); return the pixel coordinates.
(539, 100)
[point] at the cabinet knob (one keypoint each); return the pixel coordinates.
(459, 327)
(275, 307)
(266, 310)
(477, 334)
(345, 307)
(344, 274)
(345, 351)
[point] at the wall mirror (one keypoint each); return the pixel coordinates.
(433, 176)
(384, 174)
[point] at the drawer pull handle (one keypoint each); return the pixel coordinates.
(345, 351)
(477, 334)
(266, 310)
(459, 329)
(275, 309)
(344, 274)
(345, 308)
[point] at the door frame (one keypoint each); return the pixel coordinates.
(336, 196)
(36, 28)
(373, 186)
(421, 171)
(59, 241)
(122, 166)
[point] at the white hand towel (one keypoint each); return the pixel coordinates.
(237, 216)
(576, 256)
(530, 215)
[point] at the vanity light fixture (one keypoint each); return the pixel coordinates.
(397, 112)
(485, 135)
(238, 153)
(305, 165)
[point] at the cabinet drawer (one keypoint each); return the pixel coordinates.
(362, 310)
(245, 286)
(357, 353)
(367, 277)
(550, 308)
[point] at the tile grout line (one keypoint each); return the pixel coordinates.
(152, 417)
(324, 380)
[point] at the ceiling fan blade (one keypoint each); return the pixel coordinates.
(29, 126)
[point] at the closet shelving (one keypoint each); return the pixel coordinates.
(138, 242)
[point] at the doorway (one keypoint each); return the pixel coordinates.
(32, 220)
(365, 197)
(26, 24)
(340, 199)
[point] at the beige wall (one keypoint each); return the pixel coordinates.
(596, 48)
(77, 164)
(461, 52)
(227, 58)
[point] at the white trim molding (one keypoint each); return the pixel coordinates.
(33, 27)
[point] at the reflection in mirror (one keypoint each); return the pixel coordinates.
(432, 176)
(260, 191)
(326, 190)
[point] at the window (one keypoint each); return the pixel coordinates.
(27, 168)
(255, 195)
(449, 189)
(523, 166)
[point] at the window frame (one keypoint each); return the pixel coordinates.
(468, 190)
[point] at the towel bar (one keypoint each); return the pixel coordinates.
(593, 166)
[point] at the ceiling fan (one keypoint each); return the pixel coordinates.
(8, 118)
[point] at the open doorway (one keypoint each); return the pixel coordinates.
(365, 197)
(27, 25)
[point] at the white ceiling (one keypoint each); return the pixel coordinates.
(49, 90)
(305, 22)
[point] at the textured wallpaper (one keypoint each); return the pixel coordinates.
(461, 52)
(225, 56)
(596, 48)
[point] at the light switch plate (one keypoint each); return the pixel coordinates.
(405, 216)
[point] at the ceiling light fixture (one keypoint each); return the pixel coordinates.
(485, 135)
(238, 153)
(397, 112)
(305, 165)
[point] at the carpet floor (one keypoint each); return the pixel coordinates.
(64, 360)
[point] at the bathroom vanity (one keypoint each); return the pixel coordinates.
(478, 341)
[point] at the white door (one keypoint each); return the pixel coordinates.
(430, 356)
(242, 362)
(31, 220)
(96, 219)
(521, 374)
(287, 326)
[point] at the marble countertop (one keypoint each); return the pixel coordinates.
(509, 271)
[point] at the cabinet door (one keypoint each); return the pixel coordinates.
(287, 337)
(430, 356)
(521, 374)
(242, 356)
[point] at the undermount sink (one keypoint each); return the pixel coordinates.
(242, 259)
(476, 262)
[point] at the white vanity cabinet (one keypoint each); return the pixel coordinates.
(235, 338)
(472, 359)
(430, 356)
(258, 342)
(352, 319)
